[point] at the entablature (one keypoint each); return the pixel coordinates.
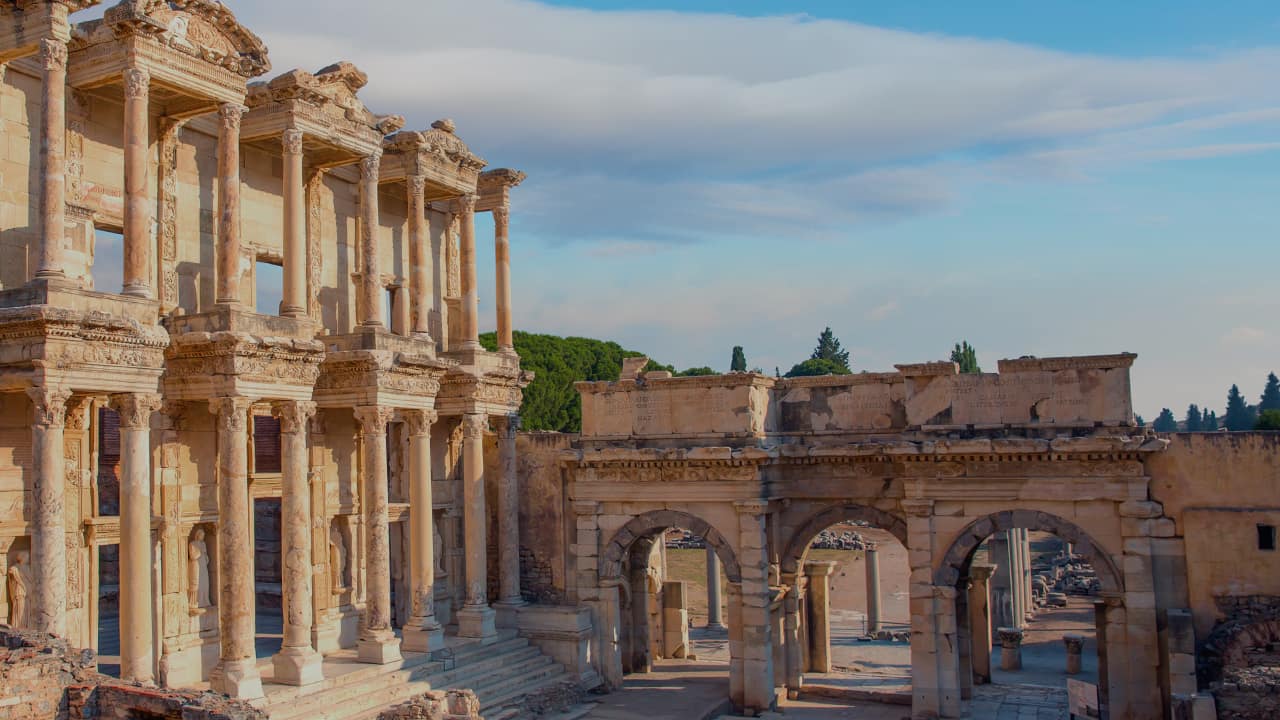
(438, 156)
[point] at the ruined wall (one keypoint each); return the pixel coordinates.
(545, 521)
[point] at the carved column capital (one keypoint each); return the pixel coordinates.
(293, 414)
(373, 419)
(77, 418)
(137, 83)
(53, 54)
(419, 421)
(371, 165)
(135, 409)
(232, 413)
(474, 425)
(501, 216)
(292, 141)
(506, 426)
(417, 185)
(230, 114)
(50, 406)
(463, 204)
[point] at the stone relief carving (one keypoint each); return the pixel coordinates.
(198, 571)
(18, 584)
(337, 557)
(137, 82)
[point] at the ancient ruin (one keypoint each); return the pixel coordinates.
(186, 479)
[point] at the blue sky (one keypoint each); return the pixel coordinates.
(1038, 178)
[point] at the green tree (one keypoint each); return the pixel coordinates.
(964, 355)
(1194, 421)
(1268, 420)
(1238, 416)
(696, 371)
(1209, 421)
(1270, 394)
(817, 366)
(1140, 421)
(739, 362)
(1165, 422)
(829, 349)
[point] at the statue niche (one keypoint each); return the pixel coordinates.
(18, 585)
(338, 568)
(199, 582)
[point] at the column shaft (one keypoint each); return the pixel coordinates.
(236, 673)
(980, 623)
(297, 663)
(502, 277)
(48, 521)
(137, 191)
(53, 140)
(819, 615)
(792, 640)
(294, 302)
(467, 259)
(137, 656)
(422, 633)
(714, 617)
(228, 254)
(508, 514)
(419, 256)
(873, 590)
(476, 618)
(371, 305)
(378, 643)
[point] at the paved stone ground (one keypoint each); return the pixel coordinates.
(675, 690)
(1017, 702)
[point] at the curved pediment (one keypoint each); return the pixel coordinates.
(202, 28)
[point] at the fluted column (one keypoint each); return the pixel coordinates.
(508, 516)
(476, 618)
(137, 656)
(466, 206)
(370, 276)
(378, 644)
(48, 546)
(53, 134)
(228, 249)
(294, 303)
(419, 256)
(297, 663)
(237, 671)
(423, 632)
(502, 277)
(137, 191)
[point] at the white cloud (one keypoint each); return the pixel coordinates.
(882, 311)
(1243, 335)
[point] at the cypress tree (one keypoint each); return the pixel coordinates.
(1239, 416)
(964, 355)
(1194, 422)
(1166, 422)
(829, 349)
(1270, 394)
(739, 362)
(1209, 422)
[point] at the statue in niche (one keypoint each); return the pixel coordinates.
(18, 581)
(337, 558)
(198, 571)
(437, 548)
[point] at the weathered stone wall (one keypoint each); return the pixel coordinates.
(1249, 694)
(544, 520)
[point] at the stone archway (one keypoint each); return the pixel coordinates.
(658, 520)
(797, 547)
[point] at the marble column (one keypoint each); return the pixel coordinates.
(470, 326)
(502, 277)
(714, 617)
(819, 574)
(793, 640)
(401, 320)
(475, 619)
(297, 663)
(509, 596)
(1010, 648)
(980, 622)
(48, 520)
(137, 656)
(378, 643)
(228, 249)
(371, 296)
(422, 633)
(294, 301)
(236, 673)
(873, 588)
(137, 191)
(53, 141)
(419, 257)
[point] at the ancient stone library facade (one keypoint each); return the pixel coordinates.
(177, 468)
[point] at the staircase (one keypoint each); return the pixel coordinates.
(500, 673)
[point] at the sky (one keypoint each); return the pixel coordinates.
(1047, 178)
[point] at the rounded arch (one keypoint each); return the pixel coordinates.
(1231, 639)
(962, 549)
(798, 546)
(655, 521)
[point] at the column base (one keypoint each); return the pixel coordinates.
(422, 636)
(297, 666)
(508, 612)
(135, 290)
(379, 649)
(324, 636)
(716, 626)
(477, 621)
(237, 678)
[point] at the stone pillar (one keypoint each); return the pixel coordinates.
(466, 207)
(53, 141)
(1010, 648)
(401, 316)
(422, 633)
(48, 517)
(419, 257)
(502, 277)
(476, 618)
(756, 630)
(737, 648)
(1075, 644)
(792, 640)
(714, 619)
(137, 656)
(980, 622)
(371, 299)
(137, 193)
(964, 640)
(228, 251)
(297, 663)
(819, 574)
(237, 671)
(1001, 583)
(873, 589)
(508, 520)
(935, 684)
(378, 643)
(294, 302)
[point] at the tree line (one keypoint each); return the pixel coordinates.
(1238, 415)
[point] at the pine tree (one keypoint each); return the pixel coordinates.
(1238, 416)
(1140, 421)
(1209, 422)
(829, 349)
(1194, 422)
(964, 355)
(739, 362)
(1165, 422)
(1270, 394)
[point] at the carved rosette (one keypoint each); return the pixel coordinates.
(232, 413)
(292, 141)
(473, 426)
(137, 83)
(293, 414)
(419, 422)
(135, 409)
(50, 405)
(53, 55)
(373, 419)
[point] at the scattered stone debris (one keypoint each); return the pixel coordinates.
(436, 705)
(1249, 693)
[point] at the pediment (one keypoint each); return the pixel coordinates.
(200, 28)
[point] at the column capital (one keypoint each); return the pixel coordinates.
(373, 419)
(50, 406)
(293, 414)
(135, 409)
(507, 426)
(232, 412)
(501, 216)
(53, 54)
(371, 165)
(463, 204)
(981, 573)
(230, 114)
(474, 425)
(419, 421)
(291, 139)
(77, 419)
(417, 185)
(137, 83)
